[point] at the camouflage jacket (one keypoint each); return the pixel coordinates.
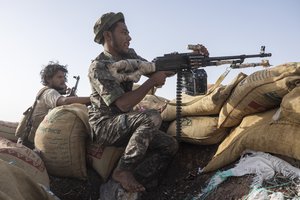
(105, 88)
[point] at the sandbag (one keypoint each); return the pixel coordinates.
(25, 159)
(202, 105)
(199, 130)
(290, 105)
(15, 183)
(8, 129)
(258, 132)
(103, 159)
(61, 139)
(260, 91)
(152, 102)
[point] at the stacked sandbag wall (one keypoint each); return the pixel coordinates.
(274, 131)
(200, 115)
(202, 105)
(8, 130)
(25, 159)
(260, 91)
(16, 184)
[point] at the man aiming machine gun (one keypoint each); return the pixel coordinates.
(183, 64)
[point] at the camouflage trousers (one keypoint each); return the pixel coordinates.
(148, 150)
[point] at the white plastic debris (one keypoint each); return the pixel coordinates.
(262, 165)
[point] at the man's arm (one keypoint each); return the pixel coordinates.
(69, 100)
(128, 100)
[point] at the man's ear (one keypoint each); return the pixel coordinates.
(107, 35)
(49, 82)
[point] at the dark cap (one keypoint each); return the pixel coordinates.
(104, 23)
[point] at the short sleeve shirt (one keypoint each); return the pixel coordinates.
(45, 103)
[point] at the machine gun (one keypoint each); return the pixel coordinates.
(188, 61)
(189, 75)
(74, 89)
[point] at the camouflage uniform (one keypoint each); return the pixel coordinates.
(148, 150)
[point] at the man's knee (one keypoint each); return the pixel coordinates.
(155, 117)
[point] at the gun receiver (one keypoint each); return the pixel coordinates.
(74, 89)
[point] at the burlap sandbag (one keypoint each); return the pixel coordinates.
(8, 129)
(61, 139)
(15, 184)
(210, 104)
(290, 105)
(199, 130)
(260, 91)
(103, 159)
(152, 102)
(258, 132)
(26, 159)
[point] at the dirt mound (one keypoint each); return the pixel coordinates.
(180, 182)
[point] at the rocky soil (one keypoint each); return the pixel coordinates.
(181, 181)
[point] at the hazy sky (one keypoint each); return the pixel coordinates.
(34, 32)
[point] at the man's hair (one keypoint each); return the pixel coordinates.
(50, 70)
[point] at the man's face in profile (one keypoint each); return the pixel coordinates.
(58, 82)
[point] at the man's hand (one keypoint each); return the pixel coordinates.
(200, 49)
(159, 78)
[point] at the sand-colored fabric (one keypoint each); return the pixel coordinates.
(258, 132)
(16, 184)
(25, 159)
(202, 105)
(103, 159)
(200, 130)
(290, 105)
(152, 102)
(8, 130)
(260, 91)
(61, 140)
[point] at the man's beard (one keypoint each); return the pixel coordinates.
(60, 90)
(117, 47)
